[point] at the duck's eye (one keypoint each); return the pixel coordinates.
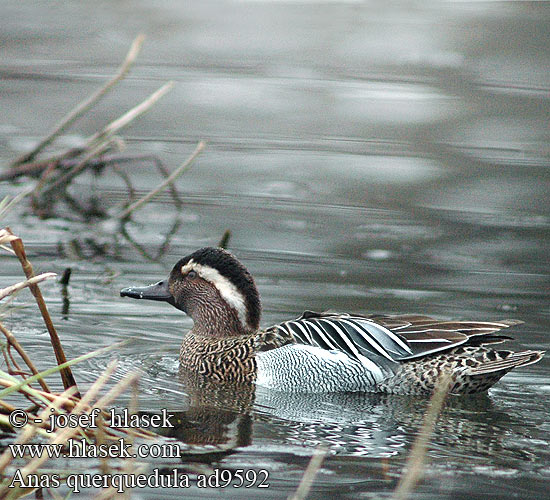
(192, 275)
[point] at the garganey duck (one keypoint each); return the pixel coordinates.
(322, 352)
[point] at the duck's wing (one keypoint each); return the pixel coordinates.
(357, 336)
(426, 335)
(396, 338)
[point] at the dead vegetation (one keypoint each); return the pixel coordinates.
(22, 377)
(56, 172)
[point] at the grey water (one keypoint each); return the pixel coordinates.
(366, 157)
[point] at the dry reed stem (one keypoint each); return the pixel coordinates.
(173, 176)
(6, 203)
(417, 456)
(94, 389)
(4, 422)
(130, 115)
(27, 391)
(173, 191)
(61, 436)
(309, 474)
(45, 397)
(30, 430)
(71, 117)
(7, 406)
(100, 437)
(116, 390)
(10, 290)
(14, 342)
(66, 373)
(71, 403)
(6, 237)
(4, 247)
(24, 388)
(113, 492)
(101, 140)
(129, 465)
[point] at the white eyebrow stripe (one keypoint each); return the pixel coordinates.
(228, 290)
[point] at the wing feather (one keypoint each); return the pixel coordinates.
(395, 338)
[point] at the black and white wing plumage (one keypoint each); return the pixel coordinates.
(396, 338)
(357, 336)
(425, 335)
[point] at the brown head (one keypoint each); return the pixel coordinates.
(213, 288)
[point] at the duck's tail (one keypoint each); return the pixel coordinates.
(506, 360)
(473, 369)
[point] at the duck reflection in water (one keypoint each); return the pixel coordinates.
(220, 418)
(217, 418)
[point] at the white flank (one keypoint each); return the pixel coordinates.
(227, 289)
(308, 368)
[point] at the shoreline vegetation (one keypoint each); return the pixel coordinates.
(35, 421)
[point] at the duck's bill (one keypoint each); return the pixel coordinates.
(158, 291)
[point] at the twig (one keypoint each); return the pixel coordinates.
(64, 179)
(9, 290)
(173, 191)
(86, 104)
(13, 341)
(174, 175)
(101, 140)
(130, 115)
(309, 474)
(16, 366)
(33, 168)
(66, 373)
(417, 455)
(224, 242)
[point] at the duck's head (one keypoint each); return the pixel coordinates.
(212, 287)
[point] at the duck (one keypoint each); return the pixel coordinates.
(322, 351)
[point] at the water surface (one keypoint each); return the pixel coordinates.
(365, 157)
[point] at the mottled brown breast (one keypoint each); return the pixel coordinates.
(228, 359)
